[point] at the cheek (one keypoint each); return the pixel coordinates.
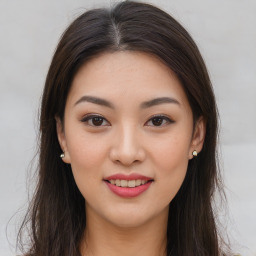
(171, 161)
(87, 156)
(172, 152)
(86, 151)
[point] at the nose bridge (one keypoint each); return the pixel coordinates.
(128, 138)
(127, 147)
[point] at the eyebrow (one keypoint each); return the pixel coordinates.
(146, 104)
(158, 101)
(95, 100)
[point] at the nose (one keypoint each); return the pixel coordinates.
(127, 148)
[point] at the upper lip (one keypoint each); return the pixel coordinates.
(132, 176)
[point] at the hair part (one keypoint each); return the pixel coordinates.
(57, 212)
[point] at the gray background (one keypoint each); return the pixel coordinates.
(225, 33)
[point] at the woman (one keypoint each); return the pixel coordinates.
(128, 141)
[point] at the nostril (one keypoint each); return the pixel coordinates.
(127, 152)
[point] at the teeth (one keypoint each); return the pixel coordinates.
(137, 182)
(118, 183)
(124, 183)
(131, 183)
(128, 183)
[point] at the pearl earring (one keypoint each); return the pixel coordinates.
(194, 153)
(62, 155)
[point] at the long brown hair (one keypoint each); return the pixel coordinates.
(56, 216)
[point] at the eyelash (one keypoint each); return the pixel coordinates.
(89, 118)
(161, 117)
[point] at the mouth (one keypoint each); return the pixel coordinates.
(128, 183)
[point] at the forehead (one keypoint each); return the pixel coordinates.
(126, 74)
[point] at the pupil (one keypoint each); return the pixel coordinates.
(97, 121)
(157, 121)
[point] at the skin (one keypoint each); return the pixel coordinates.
(127, 141)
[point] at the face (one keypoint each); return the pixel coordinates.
(128, 135)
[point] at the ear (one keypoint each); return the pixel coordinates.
(62, 140)
(197, 141)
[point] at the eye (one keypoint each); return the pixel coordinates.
(95, 120)
(159, 120)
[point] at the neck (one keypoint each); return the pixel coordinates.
(103, 238)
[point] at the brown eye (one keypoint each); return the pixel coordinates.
(95, 120)
(159, 121)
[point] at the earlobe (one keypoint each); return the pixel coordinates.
(198, 138)
(62, 140)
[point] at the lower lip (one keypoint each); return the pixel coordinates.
(128, 192)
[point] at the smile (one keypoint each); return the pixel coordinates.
(127, 183)
(128, 186)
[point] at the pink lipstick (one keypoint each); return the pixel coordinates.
(128, 185)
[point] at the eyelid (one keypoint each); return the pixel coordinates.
(89, 117)
(164, 117)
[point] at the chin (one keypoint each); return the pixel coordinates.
(129, 223)
(134, 219)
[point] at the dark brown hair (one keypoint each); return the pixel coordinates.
(56, 216)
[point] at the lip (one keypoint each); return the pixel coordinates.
(127, 192)
(132, 176)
